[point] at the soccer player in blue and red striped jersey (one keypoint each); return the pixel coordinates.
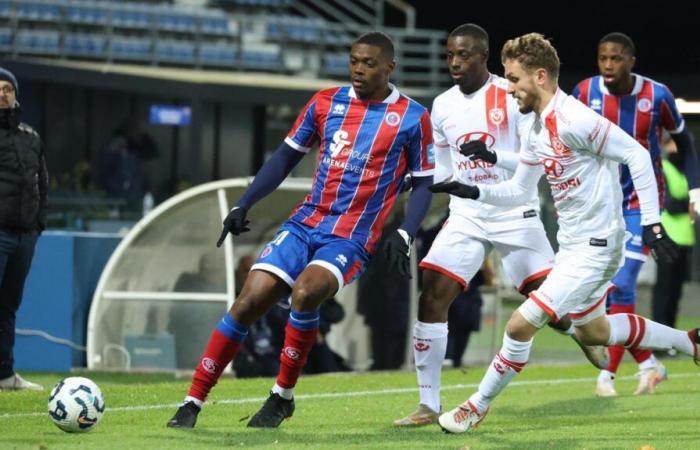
(642, 107)
(370, 136)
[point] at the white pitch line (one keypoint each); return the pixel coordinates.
(450, 387)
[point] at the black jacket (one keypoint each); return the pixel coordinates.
(23, 179)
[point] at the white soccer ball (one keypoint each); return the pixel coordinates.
(76, 404)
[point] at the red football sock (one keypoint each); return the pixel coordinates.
(295, 352)
(218, 354)
(616, 352)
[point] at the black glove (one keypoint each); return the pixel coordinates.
(662, 247)
(456, 188)
(476, 150)
(234, 223)
(398, 253)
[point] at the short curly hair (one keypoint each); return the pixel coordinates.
(532, 51)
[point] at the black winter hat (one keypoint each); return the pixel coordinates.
(9, 77)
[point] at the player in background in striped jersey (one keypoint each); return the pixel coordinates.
(642, 107)
(476, 117)
(370, 136)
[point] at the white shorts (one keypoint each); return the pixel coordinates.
(577, 285)
(459, 249)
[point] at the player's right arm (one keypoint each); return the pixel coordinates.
(297, 143)
(516, 191)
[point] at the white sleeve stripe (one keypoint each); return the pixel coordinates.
(290, 142)
(604, 140)
(422, 173)
(680, 128)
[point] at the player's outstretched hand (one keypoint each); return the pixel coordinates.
(456, 188)
(234, 223)
(662, 247)
(476, 150)
(398, 252)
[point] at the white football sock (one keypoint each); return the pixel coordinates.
(429, 348)
(631, 330)
(606, 375)
(285, 393)
(507, 363)
(196, 401)
(649, 363)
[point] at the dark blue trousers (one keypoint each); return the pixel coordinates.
(16, 252)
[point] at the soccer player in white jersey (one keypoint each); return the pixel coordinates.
(472, 118)
(578, 151)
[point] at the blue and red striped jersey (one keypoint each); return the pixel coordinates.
(365, 150)
(642, 114)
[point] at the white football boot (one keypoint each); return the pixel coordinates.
(17, 383)
(463, 418)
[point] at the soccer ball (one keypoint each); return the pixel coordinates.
(76, 405)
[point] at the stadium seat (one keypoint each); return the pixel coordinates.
(37, 11)
(130, 48)
(334, 64)
(5, 39)
(86, 15)
(39, 42)
(177, 22)
(215, 25)
(5, 9)
(217, 55)
(85, 45)
(262, 60)
(130, 17)
(171, 51)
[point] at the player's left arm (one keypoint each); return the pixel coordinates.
(672, 120)
(421, 163)
(598, 135)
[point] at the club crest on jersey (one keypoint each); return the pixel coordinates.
(558, 146)
(266, 251)
(496, 115)
(486, 138)
(392, 119)
(552, 168)
(644, 105)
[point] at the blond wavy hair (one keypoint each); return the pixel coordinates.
(533, 51)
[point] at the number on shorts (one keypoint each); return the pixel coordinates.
(279, 238)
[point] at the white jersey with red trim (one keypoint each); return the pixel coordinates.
(571, 142)
(492, 116)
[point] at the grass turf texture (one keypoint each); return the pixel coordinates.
(546, 407)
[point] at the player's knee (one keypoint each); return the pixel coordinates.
(246, 309)
(519, 328)
(434, 304)
(308, 295)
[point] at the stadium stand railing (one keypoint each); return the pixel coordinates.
(205, 37)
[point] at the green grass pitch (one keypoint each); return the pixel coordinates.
(549, 407)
